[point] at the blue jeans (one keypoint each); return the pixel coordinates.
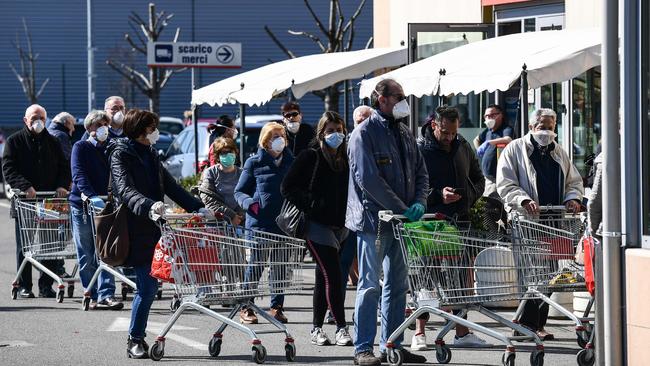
(393, 295)
(82, 234)
(277, 273)
(147, 289)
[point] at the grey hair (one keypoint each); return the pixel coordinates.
(35, 106)
(358, 114)
(95, 116)
(537, 115)
(62, 117)
(112, 98)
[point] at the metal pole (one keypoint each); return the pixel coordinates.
(242, 128)
(91, 56)
(346, 111)
(523, 102)
(613, 325)
(196, 129)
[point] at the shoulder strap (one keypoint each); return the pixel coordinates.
(313, 174)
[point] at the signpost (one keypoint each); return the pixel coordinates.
(194, 55)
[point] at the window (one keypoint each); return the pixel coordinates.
(586, 118)
(175, 148)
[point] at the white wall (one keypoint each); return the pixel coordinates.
(583, 14)
(391, 17)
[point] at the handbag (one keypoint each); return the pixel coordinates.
(291, 220)
(112, 232)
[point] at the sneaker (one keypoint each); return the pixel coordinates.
(109, 303)
(366, 358)
(343, 337)
(407, 357)
(470, 340)
(319, 338)
(419, 342)
(330, 318)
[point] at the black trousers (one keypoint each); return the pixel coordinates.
(535, 314)
(327, 290)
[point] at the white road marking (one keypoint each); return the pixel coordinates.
(5, 344)
(121, 324)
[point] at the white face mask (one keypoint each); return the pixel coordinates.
(38, 126)
(278, 144)
(118, 118)
(490, 123)
(153, 137)
(401, 109)
(544, 137)
(101, 134)
(293, 127)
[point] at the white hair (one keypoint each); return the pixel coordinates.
(62, 117)
(95, 116)
(361, 113)
(35, 106)
(536, 116)
(112, 98)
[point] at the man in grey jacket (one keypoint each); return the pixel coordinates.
(387, 172)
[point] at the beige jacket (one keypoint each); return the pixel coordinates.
(516, 176)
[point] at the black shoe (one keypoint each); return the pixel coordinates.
(47, 293)
(407, 357)
(26, 294)
(366, 358)
(137, 349)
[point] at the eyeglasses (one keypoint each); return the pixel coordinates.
(291, 114)
(117, 109)
(491, 115)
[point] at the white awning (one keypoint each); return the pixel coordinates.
(301, 74)
(496, 64)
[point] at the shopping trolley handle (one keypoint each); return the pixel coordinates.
(388, 216)
(15, 192)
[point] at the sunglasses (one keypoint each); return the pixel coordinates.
(291, 114)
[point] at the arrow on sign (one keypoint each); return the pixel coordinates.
(121, 324)
(224, 54)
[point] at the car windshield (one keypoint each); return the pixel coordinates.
(170, 127)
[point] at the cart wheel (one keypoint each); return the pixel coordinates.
(159, 294)
(582, 337)
(157, 351)
(537, 358)
(443, 354)
(14, 293)
(290, 351)
(586, 357)
(70, 290)
(60, 295)
(125, 291)
(175, 304)
(214, 347)
(259, 354)
(394, 357)
(508, 359)
(85, 304)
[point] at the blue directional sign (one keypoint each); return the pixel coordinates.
(194, 54)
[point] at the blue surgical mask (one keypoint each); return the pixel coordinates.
(335, 139)
(227, 160)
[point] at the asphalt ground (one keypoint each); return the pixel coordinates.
(44, 332)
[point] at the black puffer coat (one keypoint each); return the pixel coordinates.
(132, 186)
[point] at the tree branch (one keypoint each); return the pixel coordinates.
(348, 47)
(42, 87)
(318, 22)
(135, 77)
(134, 46)
(354, 16)
(369, 43)
(20, 78)
(177, 34)
(332, 21)
(310, 36)
(168, 74)
(137, 33)
(278, 43)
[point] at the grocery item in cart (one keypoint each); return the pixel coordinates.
(436, 238)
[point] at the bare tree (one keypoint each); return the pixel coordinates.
(147, 31)
(338, 36)
(27, 74)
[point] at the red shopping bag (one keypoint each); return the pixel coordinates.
(588, 247)
(161, 264)
(560, 248)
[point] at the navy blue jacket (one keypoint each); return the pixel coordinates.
(61, 133)
(260, 182)
(132, 186)
(89, 166)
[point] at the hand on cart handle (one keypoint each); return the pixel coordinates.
(573, 206)
(531, 207)
(30, 192)
(61, 192)
(415, 212)
(157, 211)
(388, 216)
(207, 213)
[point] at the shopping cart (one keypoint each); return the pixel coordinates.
(457, 269)
(544, 248)
(208, 265)
(44, 225)
(587, 356)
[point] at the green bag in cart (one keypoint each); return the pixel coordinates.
(432, 238)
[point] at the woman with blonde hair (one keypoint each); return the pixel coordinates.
(258, 193)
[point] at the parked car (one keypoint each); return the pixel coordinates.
(171, 126)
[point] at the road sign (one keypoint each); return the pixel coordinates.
(194, 54)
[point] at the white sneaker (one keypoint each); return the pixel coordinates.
(470, 340)
(319, 338)
(419, 342)
(343, 337)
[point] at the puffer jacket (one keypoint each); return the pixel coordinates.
(61, 133)
(378, 178)
(465, 170)
(260, 182)
(131, 186)
(516, 176)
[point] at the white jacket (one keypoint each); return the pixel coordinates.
(516, 176)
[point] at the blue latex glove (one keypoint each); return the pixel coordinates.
(97, 202)
(481, 149)
(415, 212)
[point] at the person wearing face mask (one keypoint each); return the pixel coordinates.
(217, 188)
(258, 193)
(387, 172)
(90, 177)
(33, 161)
(224, 127)
(299, 135)
(535, 171)
(116, 109)
(140, 182)
(62, 127)
(324, 206)
(497, 132)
